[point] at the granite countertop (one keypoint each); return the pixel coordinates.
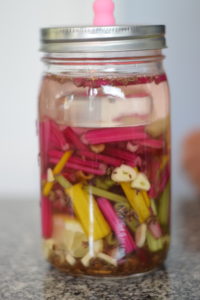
(25, 275)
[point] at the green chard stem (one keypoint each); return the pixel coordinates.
(163, 210)
(132, 224)
(104, 184)
(154, 244)
(111, 240)
(105, 194)
(101, 184)
(121, 205)
(63, 181)
(153, 207)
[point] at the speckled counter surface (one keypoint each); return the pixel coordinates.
(25, 275)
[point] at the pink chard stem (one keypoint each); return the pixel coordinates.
(102, 158)
(129, 158)
(75, 140)
(165, 175)
(156, 144)
(76, 163)
(86, 169)
(44, 137)
(75, 166)
(158, 185)
(155, 229)
(58, 136)
(55, 156)
(109, 135)
(47, 220)
(117, 225)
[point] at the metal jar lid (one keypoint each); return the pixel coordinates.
(99, 40)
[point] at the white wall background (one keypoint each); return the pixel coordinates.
(20, 73)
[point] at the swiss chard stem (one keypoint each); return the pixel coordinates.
(63, 181)
(103, 193)
(109, 135)
(154, 244)
(104, 184)
(117, 225)
(163, 209)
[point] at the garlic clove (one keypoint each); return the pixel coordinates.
(98, 246)
(158, 127)
(98, 148)
(107, 259)
(70, 259)
(50, 176)
(140, 235)
(131, 147)
(86, 259)
(141, 182)
(123, 173)
(155, 229)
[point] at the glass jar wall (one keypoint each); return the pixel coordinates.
(104, 128)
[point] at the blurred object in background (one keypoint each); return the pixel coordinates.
(191, 156)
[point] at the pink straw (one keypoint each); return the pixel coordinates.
(104, 13)
(117, 225)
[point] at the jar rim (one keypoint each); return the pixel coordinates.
(99, 40)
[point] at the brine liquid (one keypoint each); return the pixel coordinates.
(105, 173)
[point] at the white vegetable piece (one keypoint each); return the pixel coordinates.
(141, 182)
(107, 258)
(123, 173)
(50, 176)
(86, 259)
(70, 259)
(73, 226)
(98, 148)
(140, 235)
(131, 147)
(98, 246)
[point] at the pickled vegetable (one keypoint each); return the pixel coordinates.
(105, 189)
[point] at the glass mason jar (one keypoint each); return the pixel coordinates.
(104, 127)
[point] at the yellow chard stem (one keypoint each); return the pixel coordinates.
(88, 212)
(146, 199)
(137, 201)
(57, 169)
